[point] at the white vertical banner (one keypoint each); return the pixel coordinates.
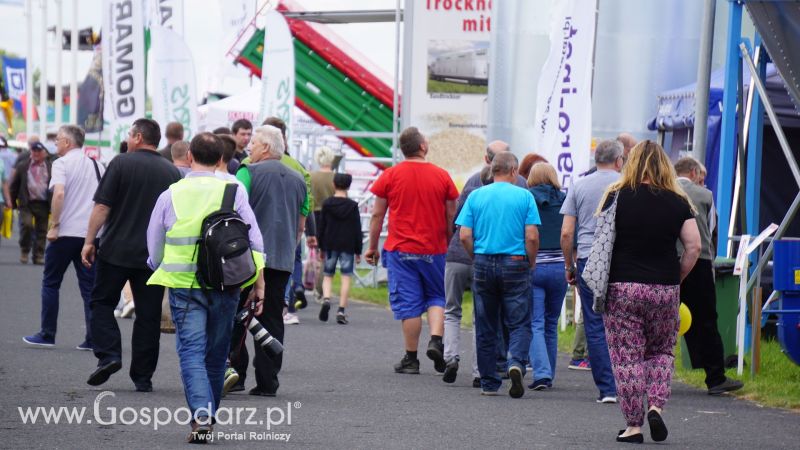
(563, 131)
(277, 70)
(166, 13)
(123, 66)
(174, 94)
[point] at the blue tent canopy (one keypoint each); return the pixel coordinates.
(676, 112)
(676, 106)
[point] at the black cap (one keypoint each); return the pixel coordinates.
(3, 142)
(38, 146)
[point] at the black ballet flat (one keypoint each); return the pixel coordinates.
(658, 429)
(637, 438)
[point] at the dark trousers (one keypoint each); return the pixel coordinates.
(271, 318)
(33, 228)
(146, 326)
(58, 256)
(703, 340)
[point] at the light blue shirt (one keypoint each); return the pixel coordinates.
(497, 214)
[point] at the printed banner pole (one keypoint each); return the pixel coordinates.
(174, 96)
(277, 74)
(123, 66)
(563, 131)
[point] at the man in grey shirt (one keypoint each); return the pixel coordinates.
(276, 195)
(698, 292)
(579, 209)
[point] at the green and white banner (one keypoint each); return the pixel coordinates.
(123, 66)
(171, 69)
(277, 73)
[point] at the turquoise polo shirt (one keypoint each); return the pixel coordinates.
(497, 214)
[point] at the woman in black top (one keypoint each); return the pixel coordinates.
(641, 316)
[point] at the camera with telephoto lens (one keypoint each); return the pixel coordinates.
(268, 342)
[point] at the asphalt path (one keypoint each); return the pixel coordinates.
(339, 387)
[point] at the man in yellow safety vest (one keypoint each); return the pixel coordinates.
(203, 319)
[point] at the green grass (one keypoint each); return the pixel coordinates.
(448, 87)
(777, 384)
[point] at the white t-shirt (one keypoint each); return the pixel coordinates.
(77, 173)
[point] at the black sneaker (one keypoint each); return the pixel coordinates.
(516, 390)
(728, 385)
(300, 296)
(407, 365)
(102, 374)
(341, 319)
(323, 312)
(436, 354)
(476, 382)
(450, 372)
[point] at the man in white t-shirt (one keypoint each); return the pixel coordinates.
(74, 181)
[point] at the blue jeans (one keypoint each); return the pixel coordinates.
(57, 257)
(596, 339)
(502, 287)
(549, 288)
(295, 280)
(202, 340)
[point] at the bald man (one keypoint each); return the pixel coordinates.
(180, 156)
(628, 142)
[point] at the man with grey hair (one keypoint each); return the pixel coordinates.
(179, 151)
(458, 276)
(579, 216)
(276, 194)
(74, 179)
(498, 225)
(697, 289)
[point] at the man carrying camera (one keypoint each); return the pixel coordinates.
(203, 314)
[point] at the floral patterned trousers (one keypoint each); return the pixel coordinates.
(641, 323)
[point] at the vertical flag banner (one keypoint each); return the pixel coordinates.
(167, 14)
(174, 95)
(563, 132)
(14, 75)
(123, 66)
(277, 76)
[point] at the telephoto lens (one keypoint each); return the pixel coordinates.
(268, 343)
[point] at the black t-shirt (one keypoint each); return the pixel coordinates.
(130, 187)
(648, 224)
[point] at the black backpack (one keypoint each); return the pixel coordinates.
(224, 260)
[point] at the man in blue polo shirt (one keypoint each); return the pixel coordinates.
(498, 226)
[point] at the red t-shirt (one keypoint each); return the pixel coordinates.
(416, 192)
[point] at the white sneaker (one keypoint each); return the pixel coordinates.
(607, 399)
(127, 310)
(290, 319)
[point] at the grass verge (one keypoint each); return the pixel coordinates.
(777, 384)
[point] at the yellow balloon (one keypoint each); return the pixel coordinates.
(686, 319)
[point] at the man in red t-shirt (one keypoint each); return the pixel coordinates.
(421, 200)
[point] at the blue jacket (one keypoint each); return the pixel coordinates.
(549, 201)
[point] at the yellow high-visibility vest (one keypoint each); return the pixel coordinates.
(192, 199)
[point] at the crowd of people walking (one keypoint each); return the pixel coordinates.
(152, 220)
